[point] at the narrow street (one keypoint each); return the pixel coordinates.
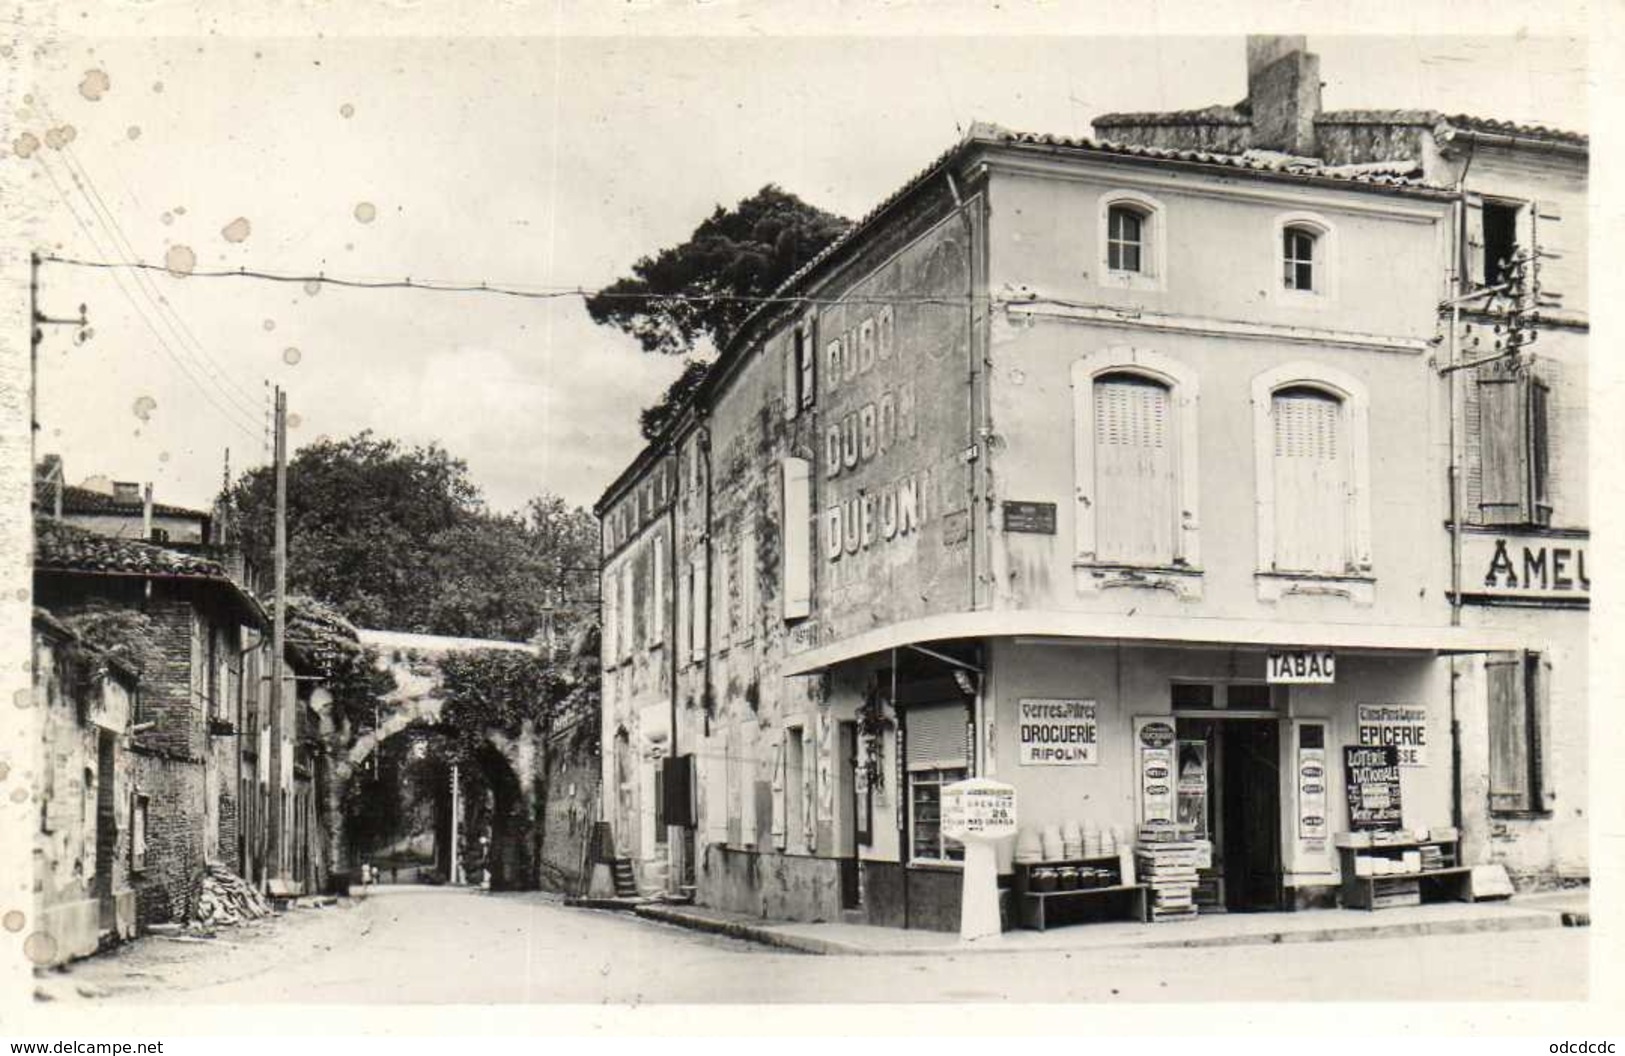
(435, 946)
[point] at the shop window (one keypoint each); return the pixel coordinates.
(1514, 448)
(1199, 695)
(1298, 258)
(927, 842)
(1135, 455)
(1227, 696)
(1519, 732)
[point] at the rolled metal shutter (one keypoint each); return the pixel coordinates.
(936, 733)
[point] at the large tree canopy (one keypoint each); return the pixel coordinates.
(690, 298)
(397, 537)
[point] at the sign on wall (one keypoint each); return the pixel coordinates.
(1402, 725)
(1058, 732)
(1035, 517)
(1302, 667)
(1154, 743)
(1525, 566)
(1192, 789)
(1312, 794)
(1371, 777)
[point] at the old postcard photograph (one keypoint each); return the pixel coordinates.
(672, 506)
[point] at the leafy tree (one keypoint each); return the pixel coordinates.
(398, 537)
(697, 293)
(652, 419)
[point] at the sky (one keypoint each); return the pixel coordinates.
(547, 162)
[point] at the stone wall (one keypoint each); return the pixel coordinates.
(771, 886)
(571, 779)
(168, 884)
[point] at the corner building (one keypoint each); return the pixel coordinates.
(1040, 465)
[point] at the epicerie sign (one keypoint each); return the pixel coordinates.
(978, 809)
(1058, 732)
(1302, 667)
(1402, 725)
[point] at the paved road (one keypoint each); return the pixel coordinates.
(434, 945)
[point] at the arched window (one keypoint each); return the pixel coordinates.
(1312, 477)
(1298, 257)
(1134, 470)
(1126, 230)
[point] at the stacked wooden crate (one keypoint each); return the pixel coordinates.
(1168, 867)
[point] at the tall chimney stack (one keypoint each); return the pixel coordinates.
(146, 513)
(1283, 90)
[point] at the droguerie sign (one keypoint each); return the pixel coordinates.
(1371, 778)
(1058, 732)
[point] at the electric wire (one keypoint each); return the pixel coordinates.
(231, 414)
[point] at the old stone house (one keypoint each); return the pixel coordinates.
(193, 626)
(1045, 469)
(82, 862)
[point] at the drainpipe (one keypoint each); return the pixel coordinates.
(703, 439)
(1458, 498)
(973, 449)
(673, 646)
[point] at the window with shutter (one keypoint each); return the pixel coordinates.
(795, 553)
(1134, 471)
(1514, 448)
(1518, 729)
(1311, 477)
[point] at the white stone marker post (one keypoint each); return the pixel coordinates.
(979, 813)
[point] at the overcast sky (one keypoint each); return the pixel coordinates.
(540, 162)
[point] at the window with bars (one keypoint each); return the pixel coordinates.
(1127, 228)
(1298, 258)
(1311, 481)
(1134, 470)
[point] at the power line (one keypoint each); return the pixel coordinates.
(231, 414)
(540, 293)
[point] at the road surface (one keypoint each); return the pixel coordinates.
(425, 945)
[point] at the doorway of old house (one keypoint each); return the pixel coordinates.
(1229, 790)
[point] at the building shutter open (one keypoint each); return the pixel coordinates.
(1552, 267)
(1311, 482)
(1503, 448)
(1473, 236)
(1509, 731)
(795, 556)
(1134, 472)
(936, 734)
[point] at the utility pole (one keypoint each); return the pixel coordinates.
(37, 319)
(278, 631)
(454, 808)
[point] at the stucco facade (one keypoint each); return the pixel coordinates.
(1048, 434)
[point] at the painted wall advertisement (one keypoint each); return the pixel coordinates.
(1058, 732)
(1312, 797)
(1402, 725)
(1155, 742)
(1371, 776)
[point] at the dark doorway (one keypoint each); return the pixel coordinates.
(1250, 813)
(847, 797)
(106, 828)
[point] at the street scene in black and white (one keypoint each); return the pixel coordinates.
(618, 519)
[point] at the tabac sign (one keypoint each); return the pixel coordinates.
(1534, 567)
(1302, 666)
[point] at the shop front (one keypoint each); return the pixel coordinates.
(1256, 756)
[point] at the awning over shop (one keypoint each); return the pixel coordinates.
(1110, 628)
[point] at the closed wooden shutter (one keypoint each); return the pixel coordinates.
(1503, 448)
(795, 555)
(1134, 472)
(1542, 793)
(1311, 482)
(780, 807)
(1509, 731)
(792, 377)
(936, 734)
(1539, 453)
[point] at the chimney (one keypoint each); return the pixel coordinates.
(146, 513)
(1283, 89)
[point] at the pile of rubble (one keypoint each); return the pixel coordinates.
(227, 899)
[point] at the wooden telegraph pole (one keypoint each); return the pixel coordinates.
(278, 640)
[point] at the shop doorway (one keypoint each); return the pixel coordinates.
(1230, 791)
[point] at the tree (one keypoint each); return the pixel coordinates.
(654, 418)
(399, 537)
(697, 293)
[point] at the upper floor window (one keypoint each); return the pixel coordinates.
(1514, 447)
(1125, 237)
(1131, 240)
(1298, 258)
(1135, 459)
(1500, 239)
(1313, 472)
